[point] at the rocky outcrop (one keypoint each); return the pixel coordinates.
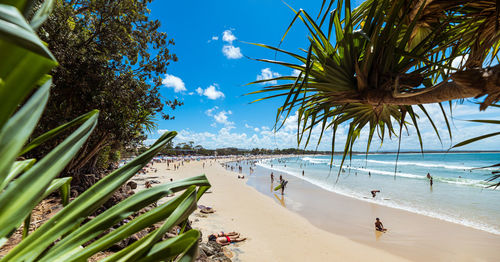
(211, 251)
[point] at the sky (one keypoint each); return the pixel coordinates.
(216, 62)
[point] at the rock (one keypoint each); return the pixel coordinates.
(73, 193)
(210, 248)
(132, 184)
(137, 236)
(202, 257)
(219, 257)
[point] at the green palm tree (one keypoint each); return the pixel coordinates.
(373, 66)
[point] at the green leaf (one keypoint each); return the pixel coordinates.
(18, 129)
(468, 141)
(69, 246)
(56, 131)
(15, 29)
(42, 14)
(17, 168)
(17, 204)
(76, 211)
(142, 246)
(172, 247)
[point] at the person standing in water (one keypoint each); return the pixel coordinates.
(430, 179)
(302, 172)
(272, 177)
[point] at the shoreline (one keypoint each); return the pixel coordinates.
(466, 223)
(273, 233)
(241, 206)
(432, 238)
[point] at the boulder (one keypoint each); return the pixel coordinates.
(211, 248)
(132, 184)
(219, 257)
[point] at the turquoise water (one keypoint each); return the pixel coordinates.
(459, 193)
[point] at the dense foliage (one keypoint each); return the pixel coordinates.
(111, 57)
(75, 232)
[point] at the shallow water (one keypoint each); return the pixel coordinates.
(459, 193)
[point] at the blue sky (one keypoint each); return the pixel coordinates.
(214, 66)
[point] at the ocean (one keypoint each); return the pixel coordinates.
(459, 193)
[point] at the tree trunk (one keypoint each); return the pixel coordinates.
(469, 83)
(88, 156)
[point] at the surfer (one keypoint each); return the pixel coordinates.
(379, 226)
(281, 179)
(283, 185)
(374, 193)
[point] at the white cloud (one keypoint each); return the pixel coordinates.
(265, 137)
(162, 131)
(214, 38)
(174, 82)
(232, 52)
(222, 118)
(266, 73)
(210, 111)
(229, 50)
(228, 36)
(211, 92)
(296, 72)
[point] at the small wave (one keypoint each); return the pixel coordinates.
(316, 160)
(389, 203)
(464, 181)
(408, 163)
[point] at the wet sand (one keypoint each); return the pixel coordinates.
(274, 233)
(413, 236)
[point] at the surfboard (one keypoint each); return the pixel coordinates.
(278, 187)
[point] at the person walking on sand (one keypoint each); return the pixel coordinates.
(379, 226)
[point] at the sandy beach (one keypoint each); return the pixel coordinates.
(331, 227)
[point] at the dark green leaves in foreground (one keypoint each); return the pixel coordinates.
(25, 61)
